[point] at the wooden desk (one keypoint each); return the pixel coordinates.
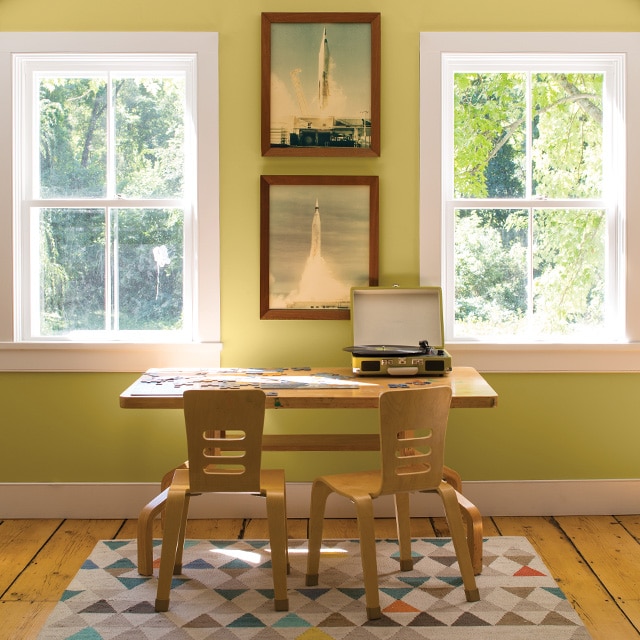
(163, 388)
(315, 388)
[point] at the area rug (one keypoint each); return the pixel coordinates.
(225, 593)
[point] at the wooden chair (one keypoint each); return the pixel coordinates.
(413, 423)
(224, 437)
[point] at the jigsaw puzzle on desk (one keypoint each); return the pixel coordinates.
(167, 382)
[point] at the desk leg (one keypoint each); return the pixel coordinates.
(472, 519)
(145, 523)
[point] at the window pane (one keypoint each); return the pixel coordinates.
(150, 137)
(506, 286)
(568, 271)
(490, 271)
(149, 281)
(72, 118)
(72, 270)
(567, 135)
(489, 135)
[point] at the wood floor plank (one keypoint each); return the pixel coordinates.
(258, 529)
(600, 614)
(46, 577)
(226, 529)
(197, 529)
(129, 530)
(617, 563)
(489, 527)
(441, 528)
(23, 620)
(631, 524)
(20, 541)
(337, 528)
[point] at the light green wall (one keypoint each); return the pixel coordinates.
(69, 427)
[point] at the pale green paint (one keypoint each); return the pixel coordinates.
(69, 427)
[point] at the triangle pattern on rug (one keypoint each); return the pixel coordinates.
(233, 599)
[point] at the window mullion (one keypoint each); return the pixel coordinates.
(111, 138)
(112, 278)
(530, 283)
(529, 137)
(111, 235)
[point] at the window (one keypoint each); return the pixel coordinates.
(110, 141)
(523, 156)
(532, 195)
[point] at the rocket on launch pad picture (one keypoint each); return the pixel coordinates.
(321, 85)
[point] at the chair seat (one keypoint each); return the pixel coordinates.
(353, 483)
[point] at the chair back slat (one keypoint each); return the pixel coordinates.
(224, 439)
(413, 425)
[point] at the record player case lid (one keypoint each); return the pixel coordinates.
(397, 316)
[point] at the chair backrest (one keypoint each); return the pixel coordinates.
(224, 438)
(413, 425)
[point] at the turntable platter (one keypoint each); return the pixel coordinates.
(373, 350)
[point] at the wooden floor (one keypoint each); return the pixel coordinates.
(594, 559)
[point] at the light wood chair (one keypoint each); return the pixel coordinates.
(413, 424)
(224, 438)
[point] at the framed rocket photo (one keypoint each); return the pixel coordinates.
(318, 239)
(320, 84)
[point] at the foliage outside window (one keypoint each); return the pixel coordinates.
(106, 205)
(530, 201)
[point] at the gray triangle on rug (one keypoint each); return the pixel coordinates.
(225, 592)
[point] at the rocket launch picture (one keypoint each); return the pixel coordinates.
(323, 86)
(319, 233)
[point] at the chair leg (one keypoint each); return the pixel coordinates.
(175, 515)
(319, 494)
(177, 564)
(472, 519)
(403, 525)
(286, 546)
(364, 511)
(145, 533)
(456, 527)
(475, 531)
(273, 488)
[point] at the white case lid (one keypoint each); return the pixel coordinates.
(397, 316)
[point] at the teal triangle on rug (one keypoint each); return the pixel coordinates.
(225, 593)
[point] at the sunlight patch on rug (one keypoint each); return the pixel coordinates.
(225, 593)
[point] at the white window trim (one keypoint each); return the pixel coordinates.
(619, 356)
(205, 349)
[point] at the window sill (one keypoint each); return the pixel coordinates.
(120, 357)
(486, 358)
(533, 358)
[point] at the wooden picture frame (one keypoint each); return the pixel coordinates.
(318, 238)
(320, 84)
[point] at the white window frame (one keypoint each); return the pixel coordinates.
(621, 353)
(199, 346)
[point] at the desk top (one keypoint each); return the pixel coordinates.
(301, 388)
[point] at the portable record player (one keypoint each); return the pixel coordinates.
(398, 332)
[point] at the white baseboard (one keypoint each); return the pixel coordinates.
(505, 498)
